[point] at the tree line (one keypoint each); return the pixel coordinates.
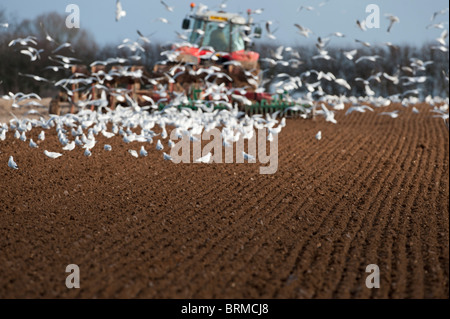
(395, 61)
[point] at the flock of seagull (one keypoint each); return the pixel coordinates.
(81, 130)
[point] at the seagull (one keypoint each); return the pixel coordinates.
(107, 147)
(33, 144)
(319, 135)
(366, 44)
(142, 37)
(205, 159)
(33, 53)
(35, 77)
(443, 11)
(393, 19)
(369, 58)
(393, 114)
(167, 157)
(87, 152)
(41, 136)
(302, 30)
(52, 154)
(12, 164)
(23, 41)
(143, 152)
(70, 146)
(350, 54)
(394, 79)
(337, 34)
(343, 83)
(436, 25)
(359, 108)
(440, 48)
(269, 32)
(248, 157)
(442, 38)
(119, 11)
(309, 8)
(329, 115)
(133, 153)
(170, 9)
(159, 146)
(361, 25)
(62, 46)
(163, 20)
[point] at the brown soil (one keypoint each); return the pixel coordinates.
(374, 190)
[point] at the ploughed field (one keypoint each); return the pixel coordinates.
(373, 190)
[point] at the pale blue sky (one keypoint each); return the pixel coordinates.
(335, 15)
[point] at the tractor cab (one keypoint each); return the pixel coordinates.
(228, 34)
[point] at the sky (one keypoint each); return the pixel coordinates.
(327, 16)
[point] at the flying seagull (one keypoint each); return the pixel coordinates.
(119, 11)
(393, 19)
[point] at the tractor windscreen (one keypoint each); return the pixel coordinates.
(218, 35)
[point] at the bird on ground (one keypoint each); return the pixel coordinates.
(319, 135)
(205, 159)
(133, 153)
(248, 157)
(41, 136)
(52, 154)
(87, 152)
(107, 147)
(143, 152)
(33, 144)
(167, 157)
(159, 145)
(70, 146)
(12, 164)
